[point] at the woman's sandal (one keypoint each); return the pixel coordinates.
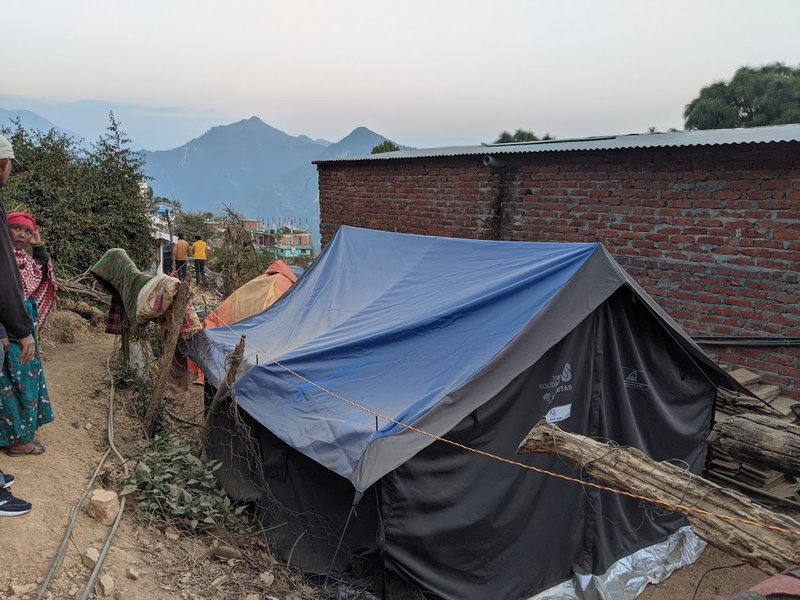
(31, 448)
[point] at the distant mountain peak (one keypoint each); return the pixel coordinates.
(259, 170)
(361, 132)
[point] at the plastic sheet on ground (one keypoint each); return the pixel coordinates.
(628, 577)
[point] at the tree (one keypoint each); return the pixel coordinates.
(191, 224)
(521, 135)
(385, 146)
(769, 95)
(85, 202)
(236, 258)
(120, 205)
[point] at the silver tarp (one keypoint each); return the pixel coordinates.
(628, 577)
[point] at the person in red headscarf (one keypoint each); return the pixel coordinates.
(24, 400)
(36, 271)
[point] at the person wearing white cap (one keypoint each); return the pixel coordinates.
(13, 318)
(13, 315)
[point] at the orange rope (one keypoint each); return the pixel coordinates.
(662, 503)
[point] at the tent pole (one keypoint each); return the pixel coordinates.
(339, 544)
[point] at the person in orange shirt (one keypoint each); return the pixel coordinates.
(181, 251)
(199, 254)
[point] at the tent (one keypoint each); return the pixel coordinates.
(391, 340)
(252, 297)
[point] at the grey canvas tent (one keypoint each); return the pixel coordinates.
(391, 340)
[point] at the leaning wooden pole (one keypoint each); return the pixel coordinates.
(165, 360)
(760, 537)
(224, 386)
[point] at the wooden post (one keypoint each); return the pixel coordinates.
(169, 225)
(126, 343)
(224, 386)
(759, 440)
(745, 534)
(165, 360)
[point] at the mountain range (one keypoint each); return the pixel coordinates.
(32, 122)
(256, 169)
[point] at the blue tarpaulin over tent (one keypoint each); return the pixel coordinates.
(349, 326)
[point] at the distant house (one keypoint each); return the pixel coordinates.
(251, 225)
(285, 242)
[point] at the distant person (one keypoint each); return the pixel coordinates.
(16, 324)
(166, 256)
(181, 253)
(24, 400)
(199, 254)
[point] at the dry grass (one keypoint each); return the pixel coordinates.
(66, 327)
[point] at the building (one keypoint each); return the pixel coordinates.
(708, 222)
(251, 225)
(285, 242)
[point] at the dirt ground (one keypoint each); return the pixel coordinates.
(170, 565)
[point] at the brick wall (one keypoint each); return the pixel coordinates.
(712, 233)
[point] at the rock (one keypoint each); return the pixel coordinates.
(106, 585)
(90, 557)
(132, 573)
(267, 578)
(20, 590)
(104, 506)
(88, 426)
(224, 552)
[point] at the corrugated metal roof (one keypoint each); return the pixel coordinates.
(707, 137)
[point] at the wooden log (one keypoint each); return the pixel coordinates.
(759, 440)
(165, 360)
(724, 518)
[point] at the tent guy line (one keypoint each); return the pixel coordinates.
(662, 503)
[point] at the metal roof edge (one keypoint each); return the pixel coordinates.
(673, 139)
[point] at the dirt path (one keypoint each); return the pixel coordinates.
(54, 481)
(76, 440)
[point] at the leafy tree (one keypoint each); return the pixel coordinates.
(191, 224)
(120, 206)
(769, 95)
(85, 202)
(520, 135)
(236, 258)
(385, 146)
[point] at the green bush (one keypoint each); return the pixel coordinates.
(85, 201)
(173, 486)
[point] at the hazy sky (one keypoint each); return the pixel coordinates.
(422, 72)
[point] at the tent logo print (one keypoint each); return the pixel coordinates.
(558, 383)
(635, 379)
